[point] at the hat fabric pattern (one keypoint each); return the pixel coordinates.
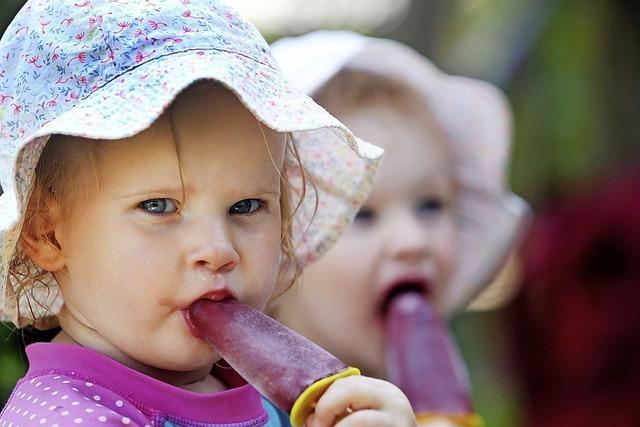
(107, 69)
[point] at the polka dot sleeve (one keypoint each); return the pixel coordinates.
(57, 401)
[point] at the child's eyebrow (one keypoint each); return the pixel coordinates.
(151, 192)
(163, 191)
(265, 192)
(262, 191)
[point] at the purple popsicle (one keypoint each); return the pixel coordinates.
(278, 362)
(421, 359)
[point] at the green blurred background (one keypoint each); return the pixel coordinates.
(570, 69)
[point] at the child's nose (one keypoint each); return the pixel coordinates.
(214, 249)
(406, 238)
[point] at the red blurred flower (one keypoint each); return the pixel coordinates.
(577, 322)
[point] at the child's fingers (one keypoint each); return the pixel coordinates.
(356, 393)
(367, 417)
(344, 396)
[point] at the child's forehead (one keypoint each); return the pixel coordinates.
(380, 110)
(352, 89)
(213, 109)
(162, 158)
(399, 122)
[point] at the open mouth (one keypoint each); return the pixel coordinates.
(400, 287)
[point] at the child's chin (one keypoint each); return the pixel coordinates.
(199, 358)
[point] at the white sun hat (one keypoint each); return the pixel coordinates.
(107, 69)
(476, 121)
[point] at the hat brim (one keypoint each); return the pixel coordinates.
(341, 165)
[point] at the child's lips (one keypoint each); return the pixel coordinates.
(215, 295)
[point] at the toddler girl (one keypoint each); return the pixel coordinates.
(151, 155)
(440, 219)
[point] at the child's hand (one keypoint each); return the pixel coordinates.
(362, 401)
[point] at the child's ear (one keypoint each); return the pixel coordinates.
(38, 239)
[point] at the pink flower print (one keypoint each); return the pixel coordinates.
(82, 80)
(140, 56)
(62, 80)
(139, 33)
(96, 85)
(175, 40)
(81, 58)
(66, 21)
(185, 1)
(187, 14)
(155, 24)
(72, 96)
(95, 20)
(123, 26)
(54, 54)
(17, 108)
(83, 4)
(308, 258)
(4, 98)
(79, 37)
(34, 61)
(200, 53)
(52, 102)
(44, 24)
(110, 57)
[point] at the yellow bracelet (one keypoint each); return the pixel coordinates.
(460, 420)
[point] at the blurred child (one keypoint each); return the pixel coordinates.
(152, 155)
(439, 223)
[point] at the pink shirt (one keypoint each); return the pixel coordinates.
(69, 385)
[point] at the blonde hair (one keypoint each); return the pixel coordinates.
(58, 173)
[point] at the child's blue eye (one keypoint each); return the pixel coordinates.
(246, 207)
(159, 206)
(365, 215)
(430, 205)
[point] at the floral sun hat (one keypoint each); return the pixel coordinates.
(475, 119)
(107, 69)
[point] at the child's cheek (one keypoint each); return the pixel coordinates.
(449, 249)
